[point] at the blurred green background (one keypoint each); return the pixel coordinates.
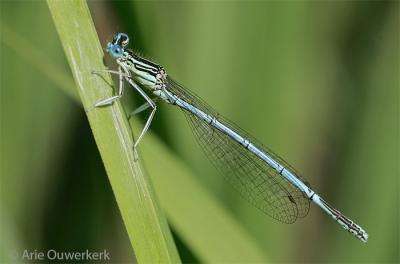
(317, 82)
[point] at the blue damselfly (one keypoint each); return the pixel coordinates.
(261, 177)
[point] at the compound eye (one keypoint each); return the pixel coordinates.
(117, 51)
(121, 39)
(124, 39)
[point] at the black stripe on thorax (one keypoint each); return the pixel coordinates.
(143, 60)
(150, 71)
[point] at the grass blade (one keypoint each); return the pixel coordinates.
(144, 220)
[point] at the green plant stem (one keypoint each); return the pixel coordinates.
(144, 220)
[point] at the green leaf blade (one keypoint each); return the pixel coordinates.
(145, 222)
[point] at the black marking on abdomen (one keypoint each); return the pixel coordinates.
(246, 143)
(291, 199)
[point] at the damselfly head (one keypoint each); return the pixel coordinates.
(116, 47)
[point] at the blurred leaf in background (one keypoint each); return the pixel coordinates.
(317, 82)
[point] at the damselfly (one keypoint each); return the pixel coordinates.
(260, 176)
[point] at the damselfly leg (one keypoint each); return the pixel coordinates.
(141, 108)
(153, 111)
(110, 100)
(125, 75)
